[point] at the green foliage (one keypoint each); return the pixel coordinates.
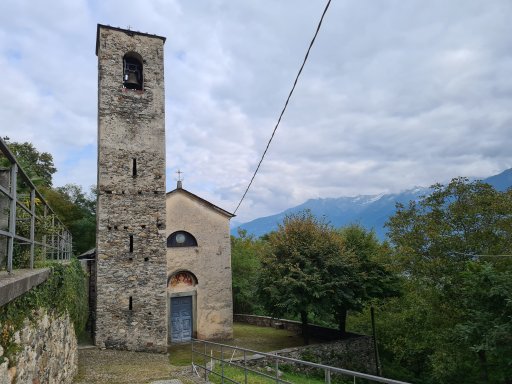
(316, 272)
(37, 165)
(454, 321)
(77, 210)
(64, 291)
(237, 374)
(301, 271)
(365, 278)
(74, 207)
(246, 253)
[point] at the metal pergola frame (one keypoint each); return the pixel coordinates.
(58, 245)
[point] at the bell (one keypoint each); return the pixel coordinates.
(131, 80)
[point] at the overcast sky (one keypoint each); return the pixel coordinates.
(395, 94)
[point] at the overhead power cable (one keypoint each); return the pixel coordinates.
(285, 104)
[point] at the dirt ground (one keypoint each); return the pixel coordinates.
(124, 367)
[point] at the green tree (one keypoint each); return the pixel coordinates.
(37, 165)
(487, 327)
(453, 322)
(246, 253)
(296, 273)
(367, 279)
(77, 211)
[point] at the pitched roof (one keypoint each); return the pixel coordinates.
(201, 201)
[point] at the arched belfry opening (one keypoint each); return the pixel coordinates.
(133, 75)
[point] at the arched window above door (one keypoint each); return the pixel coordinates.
(181, 239)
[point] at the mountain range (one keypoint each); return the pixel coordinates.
(370, 211)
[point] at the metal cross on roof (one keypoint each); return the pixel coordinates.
(179, 175)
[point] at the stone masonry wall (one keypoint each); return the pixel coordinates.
(48, 352)
(354, 352)
(131, 305)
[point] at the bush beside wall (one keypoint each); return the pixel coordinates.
(38, 329)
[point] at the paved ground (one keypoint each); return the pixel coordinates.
(97, 366)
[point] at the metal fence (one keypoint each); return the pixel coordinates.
(29, 229)
(215, 362)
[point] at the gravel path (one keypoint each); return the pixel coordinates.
(123, 367)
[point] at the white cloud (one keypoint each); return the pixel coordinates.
(394, 94)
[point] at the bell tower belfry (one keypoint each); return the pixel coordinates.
(131, 280)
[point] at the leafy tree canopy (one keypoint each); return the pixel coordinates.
(75, 208)
(453, 249)
(367, 279)
(37, 165)
(246, 253)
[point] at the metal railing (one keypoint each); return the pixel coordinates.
(26, 219)
(208, 354)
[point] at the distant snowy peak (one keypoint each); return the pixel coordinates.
(370, 211)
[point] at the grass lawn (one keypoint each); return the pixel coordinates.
(238, 375)
(261, 339)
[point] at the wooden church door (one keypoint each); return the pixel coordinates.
(181, 319)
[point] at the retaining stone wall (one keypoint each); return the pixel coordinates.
(354, 352)
(48, 352)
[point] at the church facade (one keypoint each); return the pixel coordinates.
(198, 268)
(162, 261)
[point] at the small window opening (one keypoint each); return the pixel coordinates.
(115, 226)
(143, 226)
(134, 168)
(132, 73)
(131, 243)
(108, 192)
(130, 304)
(181, 239)
(146, 259)
(139, 192)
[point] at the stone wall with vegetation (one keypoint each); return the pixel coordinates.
(354, 354)
(46, 351)
(38, 329)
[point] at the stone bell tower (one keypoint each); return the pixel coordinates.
(131, 308)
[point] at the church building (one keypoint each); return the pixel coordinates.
(198, 268)
(162, 268)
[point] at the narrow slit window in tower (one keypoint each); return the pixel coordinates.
(130, 304)
(131, 243)
(134, 168)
